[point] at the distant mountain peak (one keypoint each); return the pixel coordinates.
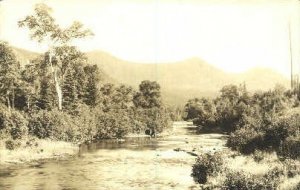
(180, 80)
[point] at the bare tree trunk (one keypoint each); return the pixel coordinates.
(58, 90)
(8, 102)
(28, 102)
(13, 99)
(56, 80)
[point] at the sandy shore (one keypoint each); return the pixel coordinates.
(43, 149)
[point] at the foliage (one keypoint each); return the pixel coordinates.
(63, 126)
(156, 119)
(280, 129)
(279, 135)
(148, 95)
(61, 54)
(201, 111)
(206, 165)
(35, 94)
(228, 172)
(42, 25)
(246, 140)
(255, 122)
(12, 144)
(91, 91)
(9, 75)
(149, 109)
(243, 181)
(258, 156)
(51, 124)
(234, 106)
(12, 123)
(112, 125)
(290, 148)
(224, 111)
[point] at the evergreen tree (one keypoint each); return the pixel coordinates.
(91, 95)
(9, 75)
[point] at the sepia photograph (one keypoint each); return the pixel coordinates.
(150, 94)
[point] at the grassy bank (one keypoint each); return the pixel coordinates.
(231, 170)
(77, 105)
(40, 149)
(263, 140)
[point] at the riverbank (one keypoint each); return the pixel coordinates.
(261, 170)
(165, 133)
(238, 168)
(43, 149)
(40, 149)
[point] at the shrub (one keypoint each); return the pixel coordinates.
(13, 123)
(292, 167)
(154, 118)
(18, 125)
(12, 144)
(40, 124)
(280, 129)
(206, 164)
(53, 124)
(31, 142)
(258, 156)
(246, 140)
(85, 119)
(244, 181)
(112, 125)
(290, 148)
(280, 134)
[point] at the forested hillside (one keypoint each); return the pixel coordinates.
(60, 95)
(179, 81)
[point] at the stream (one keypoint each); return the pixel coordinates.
(135, 163)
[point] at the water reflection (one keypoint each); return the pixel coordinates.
(135, 143)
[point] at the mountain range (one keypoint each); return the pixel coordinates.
(179, 81)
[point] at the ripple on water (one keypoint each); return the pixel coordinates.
(139, 163)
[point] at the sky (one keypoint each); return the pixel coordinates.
(233, 35)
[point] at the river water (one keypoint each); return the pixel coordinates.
(136, 163)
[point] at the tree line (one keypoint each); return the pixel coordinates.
(267, 121)
(262, 126)
(59, 95)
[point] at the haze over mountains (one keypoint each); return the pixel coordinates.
(179, 81)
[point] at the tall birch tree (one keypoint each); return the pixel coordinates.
(43, 28)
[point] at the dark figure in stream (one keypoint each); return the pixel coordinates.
(150, 132)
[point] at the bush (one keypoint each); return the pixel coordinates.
(88, 124)
(258, 156)
(112, 125)
(18, 125)
(290, 148)
(84, 118)
(41, 124)
(53, 124)
(153, 118)
(12, 144)
(246, 140)
(280, 129)
(235, 108)
(13, 123)
(245, 181)
(206, 164)
(278, 134)
(292, 168)
(31, 142)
